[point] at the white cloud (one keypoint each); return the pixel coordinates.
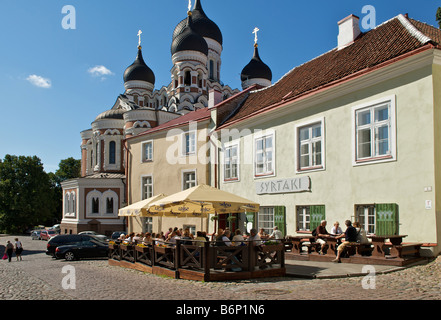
(39, 81)
(100, 71)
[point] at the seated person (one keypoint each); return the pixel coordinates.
(336, 229)
(263, 234)
(322, 234)
(350, 236)
(361, 233)
(200, 239)
(226, 238)
(254, 238)
(238, 238)
(276, 234)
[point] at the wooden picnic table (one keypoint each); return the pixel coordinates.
(379, 243)
(298, 241)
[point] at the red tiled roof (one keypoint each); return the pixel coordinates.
(193, 116)
(382, 44)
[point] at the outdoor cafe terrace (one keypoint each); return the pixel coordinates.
(202, 260)
(211, 261)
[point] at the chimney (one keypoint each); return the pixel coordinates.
(349, 30)
(214, 97)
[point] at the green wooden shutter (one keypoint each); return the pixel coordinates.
(279, 219)
(317, 214)
(386, 219)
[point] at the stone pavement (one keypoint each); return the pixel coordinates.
(330, 270)
(39, 277)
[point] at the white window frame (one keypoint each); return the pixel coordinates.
(306, 218)
(310, 124)
(183, 181)
(391, 122)
(192, 149)
(266, 224)
(109, 194)
(144, 157)
(143, 185)
(227, 147)
(90, 195)
(369, 211)
(259, 136)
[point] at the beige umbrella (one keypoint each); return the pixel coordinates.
(137, 208)
(209, 198)
(181, 209)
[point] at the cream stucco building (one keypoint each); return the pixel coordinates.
(353, 134)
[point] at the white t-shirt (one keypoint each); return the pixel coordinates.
(277, 234)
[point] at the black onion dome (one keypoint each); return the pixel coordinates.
(201, 24)
(138, 70)
(189, 40)
(256, 69)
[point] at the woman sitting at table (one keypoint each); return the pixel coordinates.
(262, 234)
(187, 237)
(147, 240)
(238, 238)
(361, 233)
(336, 230)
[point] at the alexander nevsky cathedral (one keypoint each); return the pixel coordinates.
(196, 48)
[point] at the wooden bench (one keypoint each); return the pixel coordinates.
(408, 249)
(358, 249)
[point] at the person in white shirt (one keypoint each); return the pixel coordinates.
(277, 234)
(238, 238)
(18, 248)
(336, 230)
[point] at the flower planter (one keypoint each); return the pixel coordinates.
(142, 249)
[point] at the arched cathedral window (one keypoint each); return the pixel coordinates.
(112, 152)
(187, 78)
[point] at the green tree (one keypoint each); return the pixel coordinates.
(438, 16)
(68, 169)
(26, 193)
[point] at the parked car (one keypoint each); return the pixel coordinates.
(90, 248)
(93, 233)
(66, 239)
(47, 234)
(35, 235)
(117, 234)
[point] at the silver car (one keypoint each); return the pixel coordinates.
(96, 235)
(35, 235)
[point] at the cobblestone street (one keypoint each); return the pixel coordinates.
(39, 277)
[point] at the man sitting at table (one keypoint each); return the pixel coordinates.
(322, 234)
(350, 237)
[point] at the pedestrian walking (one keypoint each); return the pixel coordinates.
(9, 250)
(18, 249)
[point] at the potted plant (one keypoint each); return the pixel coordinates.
(214, 218)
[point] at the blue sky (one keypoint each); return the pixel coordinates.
(48, 95)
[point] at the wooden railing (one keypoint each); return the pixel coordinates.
(203, 256)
